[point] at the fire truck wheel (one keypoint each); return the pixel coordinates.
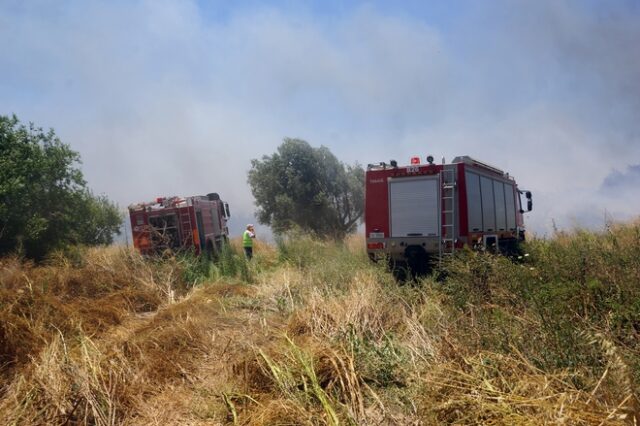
(418, 261)
(512, 248)
(399, 271)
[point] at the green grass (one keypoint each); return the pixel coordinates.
(552, 304)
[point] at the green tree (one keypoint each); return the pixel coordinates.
(44, 201)
(304, 187)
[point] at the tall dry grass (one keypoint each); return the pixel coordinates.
(311, 332)
(440, 353)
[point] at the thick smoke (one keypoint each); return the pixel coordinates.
(172, 97)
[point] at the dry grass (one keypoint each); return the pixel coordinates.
(40, 303)
(132, 370)
(318, 335)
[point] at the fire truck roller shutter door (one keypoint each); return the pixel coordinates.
(510, 202)
(215, 221)
(414, 206)
(501, 213)
(474, 201)
(488, 205)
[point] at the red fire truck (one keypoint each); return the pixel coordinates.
(420, 213)
(197, 223)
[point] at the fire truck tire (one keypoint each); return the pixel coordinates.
(399, 270)
(511, 248)
(418, 261)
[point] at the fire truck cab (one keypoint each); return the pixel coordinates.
(197, 223)
(422, 212)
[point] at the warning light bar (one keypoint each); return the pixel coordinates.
(415, 160)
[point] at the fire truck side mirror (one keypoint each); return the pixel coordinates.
(226, 210)
(527, 194)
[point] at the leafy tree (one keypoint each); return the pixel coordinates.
(307, 188)
(44, 201)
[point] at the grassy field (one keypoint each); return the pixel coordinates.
(313, 333)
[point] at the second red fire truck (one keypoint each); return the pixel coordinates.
(197, 223)
(420, 213)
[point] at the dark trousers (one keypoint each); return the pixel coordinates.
(248, 252)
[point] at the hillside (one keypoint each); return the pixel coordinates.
(313, 333)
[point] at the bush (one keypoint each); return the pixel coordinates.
(232, 264)
(550, 304)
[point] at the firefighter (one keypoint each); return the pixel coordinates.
(247, 241)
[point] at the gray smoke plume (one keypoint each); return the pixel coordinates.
(176, 97)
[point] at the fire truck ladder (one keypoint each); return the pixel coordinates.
(448, 232)
(186, 226)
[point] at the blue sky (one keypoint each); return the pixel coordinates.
(176, 97)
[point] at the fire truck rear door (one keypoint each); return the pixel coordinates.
(414, 206)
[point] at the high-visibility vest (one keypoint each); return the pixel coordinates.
(247, 240)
